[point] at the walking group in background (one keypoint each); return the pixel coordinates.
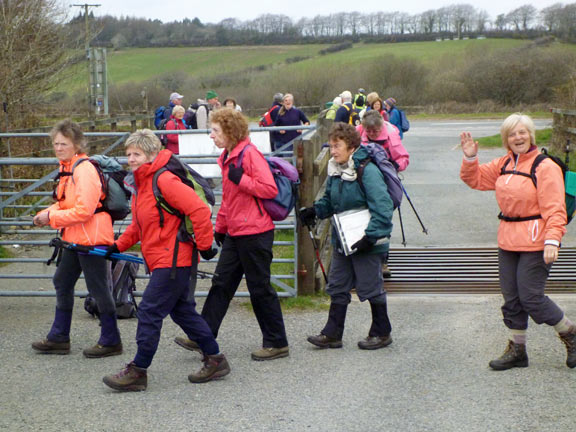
(532, 224)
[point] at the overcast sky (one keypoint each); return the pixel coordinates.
(214, 11)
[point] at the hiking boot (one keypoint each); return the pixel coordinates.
(270, 353)
(569, 339)
(375, 342)
(48, 347)
(215, 366)
(514, 356)
(323, 341)
(99, 351)
(131, 378)
(386, 273)
(188, 344)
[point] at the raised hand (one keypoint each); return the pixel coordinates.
(469, 146)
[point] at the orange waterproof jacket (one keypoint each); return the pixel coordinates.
(517, 197)
(158, 242)
(78, 198)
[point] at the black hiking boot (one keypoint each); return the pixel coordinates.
(514, 356)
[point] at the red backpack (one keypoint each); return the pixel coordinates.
(266, 119)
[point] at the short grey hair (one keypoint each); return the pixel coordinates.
(511, 122)
(372, 120)
(145, 140)
(278, 97)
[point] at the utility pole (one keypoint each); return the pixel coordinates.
(91, 101)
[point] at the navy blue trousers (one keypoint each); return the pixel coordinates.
(249, 255)
(164, 297)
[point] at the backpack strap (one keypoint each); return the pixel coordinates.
(360, 172)
(532, 176)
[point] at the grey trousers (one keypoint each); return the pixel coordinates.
(360, 271)
(523, 278)
(95, 273)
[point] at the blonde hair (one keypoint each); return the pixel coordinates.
(145, 140)
(178, 108)
(373, 96)
(511, 122)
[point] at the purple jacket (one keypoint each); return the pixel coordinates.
(292, 117)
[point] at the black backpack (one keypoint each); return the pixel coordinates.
(122, 284)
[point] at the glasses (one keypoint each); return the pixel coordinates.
(373, 131)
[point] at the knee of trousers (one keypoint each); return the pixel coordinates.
(343, 299)
(541, 309)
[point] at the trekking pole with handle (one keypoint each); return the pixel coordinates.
(315, 246)
(424, 230)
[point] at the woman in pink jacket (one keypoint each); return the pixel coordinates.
(533, 219)
(246, 233)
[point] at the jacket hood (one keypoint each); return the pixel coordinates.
(149, 168)
(360, 154)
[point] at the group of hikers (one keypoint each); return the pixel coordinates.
(532, 224)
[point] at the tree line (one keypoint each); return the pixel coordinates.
(457, 20)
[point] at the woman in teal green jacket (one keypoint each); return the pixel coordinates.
(361, 269)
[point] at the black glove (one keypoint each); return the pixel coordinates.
(219, 238)
(208, 254)
(111, 249)
(235, 174)
(363, 244)
(308, 216)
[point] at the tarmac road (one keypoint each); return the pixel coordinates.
(434, 377)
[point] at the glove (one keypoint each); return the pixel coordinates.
(219, 238)
(110, 250)
(208, 254)
(363, 244)
(235, 174)
(308, 216)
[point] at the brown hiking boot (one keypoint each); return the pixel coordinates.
(323, 341)
(270, 353)
(569, 339)
(215, 366)
(99, 351)
(514, 356)
(188, 344)
(131, 378)
(375, 342)
(48, 347)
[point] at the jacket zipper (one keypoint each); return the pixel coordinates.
(258, 204)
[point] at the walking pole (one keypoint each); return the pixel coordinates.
(402, 227)
(424, 230)
(315, 246)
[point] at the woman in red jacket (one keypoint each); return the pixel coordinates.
(533, 219)
(176, 122)
(75, 213)
(167, 292)
(246, 233)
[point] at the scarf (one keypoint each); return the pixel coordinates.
(346, 171)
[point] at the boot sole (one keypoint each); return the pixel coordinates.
(132, 388)
(109, 354)
(215, 376)
(326, 345)
(188, 347)
(57, 352)
(277, 356)
(515, 365)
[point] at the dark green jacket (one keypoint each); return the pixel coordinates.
(347, 195)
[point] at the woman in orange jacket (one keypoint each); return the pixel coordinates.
(533, 219)
(75, 213)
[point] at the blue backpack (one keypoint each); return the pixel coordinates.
(286, 179)
(380, 157)
(404, 123)
(159, 116)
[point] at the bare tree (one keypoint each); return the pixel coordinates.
(552, 16)
(461, 17)
(522, 17)
(35, 49)
(428, 21)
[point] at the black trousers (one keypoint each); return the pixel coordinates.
(251, 256)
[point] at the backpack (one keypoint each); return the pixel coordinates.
(122, 284)
(159, 116)
(359, 101)
(162, 126)
(354, 117)
(191, 179)
(381, 159)
(266, 119)
(569, 186)
(190, 118)
(286, 179)
(116, 201)
(404, 123)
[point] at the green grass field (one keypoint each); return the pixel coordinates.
(141, 64)
(543, 137)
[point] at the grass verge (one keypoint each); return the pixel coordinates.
(543, 137)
